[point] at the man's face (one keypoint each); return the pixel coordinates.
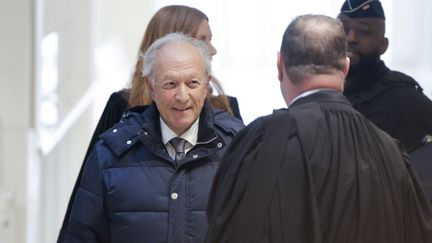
(180, 85)
(366, 41)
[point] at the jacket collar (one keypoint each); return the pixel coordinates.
(145, 127)
(206, 130)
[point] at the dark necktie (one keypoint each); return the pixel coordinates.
(179, 147)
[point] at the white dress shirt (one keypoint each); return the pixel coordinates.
(306, 93)
(191, 137)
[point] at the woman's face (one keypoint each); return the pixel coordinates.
(204, 33)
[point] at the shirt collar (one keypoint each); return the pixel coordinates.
(191, 135)
(306, 93)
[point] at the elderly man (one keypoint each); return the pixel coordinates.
(149, 177)
(318, 171)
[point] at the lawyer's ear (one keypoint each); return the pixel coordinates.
(346, 66)
(280, 66)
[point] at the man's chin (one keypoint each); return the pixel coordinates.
(354, 70)
(354, 59)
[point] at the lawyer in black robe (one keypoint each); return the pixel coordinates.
(319, 171)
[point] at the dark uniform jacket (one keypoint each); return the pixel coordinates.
(394, 102)
(132, 191)
(317, 172)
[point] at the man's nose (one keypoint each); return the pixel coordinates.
(182, 93)
(351, 37)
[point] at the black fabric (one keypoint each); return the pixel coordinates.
(261, 183)
(363, 9)
(235, 107)
(116, 105)
(422, 164)
(394, 102)
(341, 179)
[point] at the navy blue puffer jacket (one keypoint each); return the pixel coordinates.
(131, 190)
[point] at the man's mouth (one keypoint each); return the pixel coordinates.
(353, 51)
(181, 108)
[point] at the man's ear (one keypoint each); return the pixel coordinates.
(383, 45)
(346, 66)
(209, 79)
(149, 85)
(280, 66)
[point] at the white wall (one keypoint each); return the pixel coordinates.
(15, 115)
(55, 153)
(410, 41)
(94, 38)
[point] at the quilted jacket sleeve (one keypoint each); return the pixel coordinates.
(88, 221)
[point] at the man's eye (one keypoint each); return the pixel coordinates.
(169, 85)
(364, 32)
(347, 30)
(194, 83)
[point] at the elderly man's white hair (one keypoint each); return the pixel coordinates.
(150, 56)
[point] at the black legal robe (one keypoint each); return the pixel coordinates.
(318, 172)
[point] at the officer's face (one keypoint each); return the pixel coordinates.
(365, 38)
(180, 86)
